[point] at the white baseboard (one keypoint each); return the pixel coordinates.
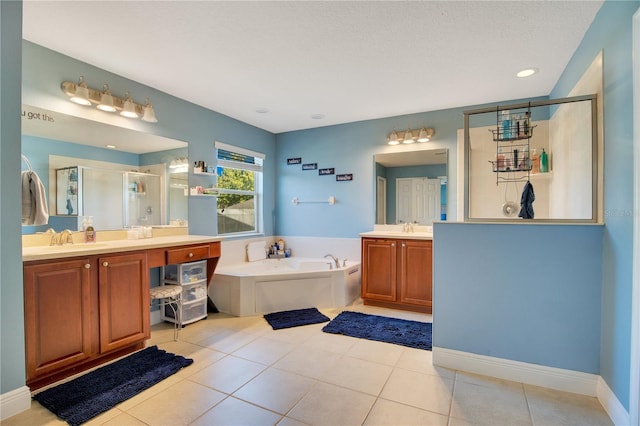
(537, 375)
(612, 405)
(531, 374)
(14, 402)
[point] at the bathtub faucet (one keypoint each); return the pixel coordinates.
(335, 259)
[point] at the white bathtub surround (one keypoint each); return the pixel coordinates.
(235, 251)
(273, 285)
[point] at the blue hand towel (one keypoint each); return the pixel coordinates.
(526, 202)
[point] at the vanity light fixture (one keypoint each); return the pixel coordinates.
(81, 94)
(106, 100)
(410, 136)
(128, 108)
(393, 138)
(149, 114)
(179, 165)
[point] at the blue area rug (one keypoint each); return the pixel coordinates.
(87, 396)
(295, 318)
(413, 334)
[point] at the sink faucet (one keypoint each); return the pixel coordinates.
(335, 259)
(54, 237)
(65, 237)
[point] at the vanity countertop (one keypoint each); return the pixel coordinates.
(102, 247)
(398, 235)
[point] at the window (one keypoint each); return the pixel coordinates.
(240, 187)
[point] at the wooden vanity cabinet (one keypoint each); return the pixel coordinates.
(397, 273)
(82, 311)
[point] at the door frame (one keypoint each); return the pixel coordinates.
(381, 186)
(634, 382)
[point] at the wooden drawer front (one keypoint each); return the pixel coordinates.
(188, 254)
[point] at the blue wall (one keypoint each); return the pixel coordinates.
(12, 372)
(611, 33)
(528, 293)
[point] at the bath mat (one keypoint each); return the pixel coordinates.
(87, 396)
(413, 334)
(295, 318)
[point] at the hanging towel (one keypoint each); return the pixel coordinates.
(34, 200)
(526, 201)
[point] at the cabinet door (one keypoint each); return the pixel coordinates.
(124, 300)
(416, 272)
(379, 269)
(58, 318)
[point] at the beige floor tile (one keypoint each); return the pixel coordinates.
(391, 413)
(288, 421)
(276, 390)
(228, 374)
(264, 350)
(122, 419)
(552, 407)
(422, 361)
(358, 374)
(181, 404)
(493, 404)
(382, 353)
(330, 342)
(327, 404)
(295, 335)
(419, 390)
(309, 362)
(36, 415)
(148, 393)
(228, 341)
(232, 411)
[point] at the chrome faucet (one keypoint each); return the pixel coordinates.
(65, 237)
(335, 259)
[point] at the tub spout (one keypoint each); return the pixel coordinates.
(335, 259)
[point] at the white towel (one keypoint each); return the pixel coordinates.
(34, 200)
(256, 251)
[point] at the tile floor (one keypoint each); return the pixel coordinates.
(245, 373)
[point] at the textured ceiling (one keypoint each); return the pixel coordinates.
(348, 61)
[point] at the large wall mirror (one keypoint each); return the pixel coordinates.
(411, 187)
(120, 177)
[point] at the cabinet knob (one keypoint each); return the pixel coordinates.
(87, 265)
(393, 244)
(404, 245)
(105, 263)
(190, 254)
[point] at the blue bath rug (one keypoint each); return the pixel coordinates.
(413, 334)
(295, 318)
(94, 393)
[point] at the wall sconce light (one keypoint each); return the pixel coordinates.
(410, 136)
(81, 94)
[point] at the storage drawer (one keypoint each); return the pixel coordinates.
(195, 291)
(191, 312)
(188, 254)
(186, 273)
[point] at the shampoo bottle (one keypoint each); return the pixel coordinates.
(544, 162)
(506, 125)
(89, 231)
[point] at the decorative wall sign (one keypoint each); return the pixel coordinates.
(291, 161)
(344, 177)
(324, 172)
(310, 166)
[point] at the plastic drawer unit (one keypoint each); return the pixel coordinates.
(193, 279)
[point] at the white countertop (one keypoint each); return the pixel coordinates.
(418, 232)
(112, 246)
(399, 235)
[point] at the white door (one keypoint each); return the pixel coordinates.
(404, 204)
(418, 200)
(381, 200)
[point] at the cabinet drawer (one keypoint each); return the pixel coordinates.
(188, 254)
(186, 273)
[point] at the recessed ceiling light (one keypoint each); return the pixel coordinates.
(110, 146)
(262, 110)
(317, 116)
(528, 72)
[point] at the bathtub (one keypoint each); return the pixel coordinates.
(273, 285)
